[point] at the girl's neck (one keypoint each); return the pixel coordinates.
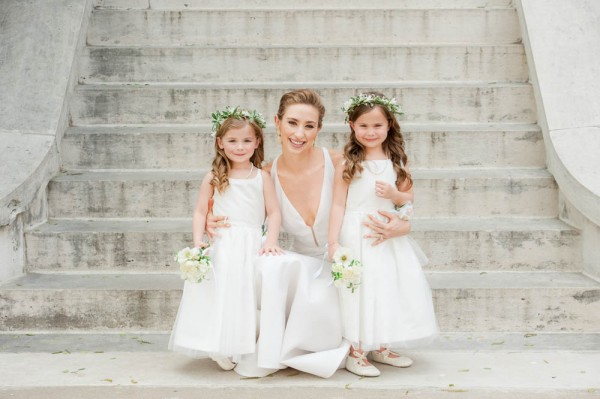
(241, 165)
(373, 154)
(297, 163)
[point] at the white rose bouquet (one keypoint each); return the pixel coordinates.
(194, 264)
(346, 269)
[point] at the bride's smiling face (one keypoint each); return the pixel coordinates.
(298, 127)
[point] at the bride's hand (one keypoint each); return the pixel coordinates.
(382, 230)
(213, 223)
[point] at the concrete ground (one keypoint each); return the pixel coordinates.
(490, 365)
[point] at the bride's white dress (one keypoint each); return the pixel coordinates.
(299, 310)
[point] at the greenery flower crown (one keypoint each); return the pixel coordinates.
(218, 117)
(370, 100)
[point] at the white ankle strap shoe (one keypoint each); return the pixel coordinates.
(358, 364)
(396, 361)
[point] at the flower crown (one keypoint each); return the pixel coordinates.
(370, 100)
(218, 117)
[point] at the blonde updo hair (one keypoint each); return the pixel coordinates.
(302, 96)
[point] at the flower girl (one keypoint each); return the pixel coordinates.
(391, 305)
(217, 317)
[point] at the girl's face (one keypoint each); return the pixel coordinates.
(298, 127)
(239, 144)
(371, 128)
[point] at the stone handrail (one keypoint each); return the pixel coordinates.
(39, 41)
(561, 39)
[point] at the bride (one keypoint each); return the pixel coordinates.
(300, 321)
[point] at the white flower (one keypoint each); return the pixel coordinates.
(343, 256)
(337, 267)
(195, 253)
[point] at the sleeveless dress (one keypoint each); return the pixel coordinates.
(217, 317)
(300, 317)
(392, 305)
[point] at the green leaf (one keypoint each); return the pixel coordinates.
(498, 343)
(108, 380)
(464, 370)
(529, 335)
(347, 386)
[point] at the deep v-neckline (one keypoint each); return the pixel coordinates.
(320, 194)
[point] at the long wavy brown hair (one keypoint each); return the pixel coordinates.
(393, 146)
(221, 165)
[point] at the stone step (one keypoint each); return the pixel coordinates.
(148, 245)
(179, 147)
(306, 4)
(439, 193)
(499, 301)
(480, 365)
(193, 103)
(256, 28)
(348, 63)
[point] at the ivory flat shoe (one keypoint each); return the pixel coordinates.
(385, 358)
(360, 366)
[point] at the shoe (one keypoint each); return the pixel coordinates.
(384, 357)
(225, 363)
(358, 364)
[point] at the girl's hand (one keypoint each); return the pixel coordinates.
(331, 248)
(382, 230)
(270, 250)
(385, 190)
(213, 223)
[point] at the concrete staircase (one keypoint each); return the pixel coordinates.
(505, 271)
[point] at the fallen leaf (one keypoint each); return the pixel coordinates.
(249, 378)
(487, 368)
(498, 343)
(293, 374)
(464, 370)
(107, 380)
(450, 385)
(529, 335)
(99, 352)
(133, 381)
(547, 362)
(347, 386)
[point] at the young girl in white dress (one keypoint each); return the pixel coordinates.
(392, 306)
(217, 317)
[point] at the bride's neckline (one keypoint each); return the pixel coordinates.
(317, 213)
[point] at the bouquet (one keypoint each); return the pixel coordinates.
(194, 264)
(346, 269)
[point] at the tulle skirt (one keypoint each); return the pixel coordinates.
(393, 305)
(218, 316)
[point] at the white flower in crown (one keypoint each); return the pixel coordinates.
(218, 117)
(370, 100)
